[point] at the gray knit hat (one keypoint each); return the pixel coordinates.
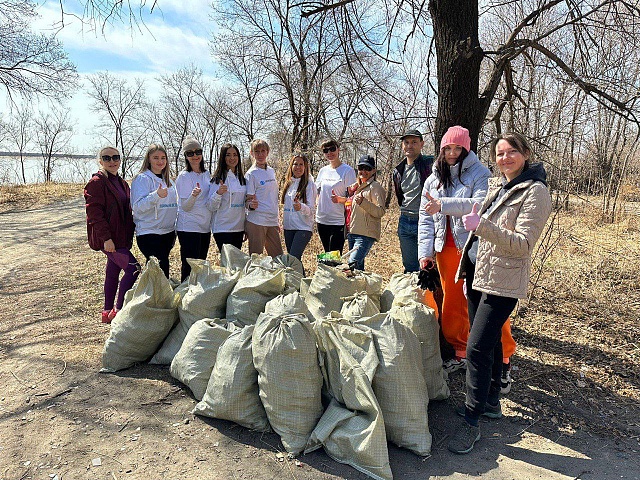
(190, 143)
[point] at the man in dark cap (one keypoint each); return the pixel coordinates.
(408, 178)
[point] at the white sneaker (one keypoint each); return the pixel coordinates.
(505, 379)
(454, 364)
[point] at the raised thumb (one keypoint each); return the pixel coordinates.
(197, 184)
(475, 208)
(429, 197)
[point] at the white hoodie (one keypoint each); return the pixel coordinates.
(153, 214)
(302, 219)
(229, 208)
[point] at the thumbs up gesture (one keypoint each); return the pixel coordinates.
(197, 190)
(471, 220)
(162, 191)
(222, 188)
(433, 205)
(296, 204)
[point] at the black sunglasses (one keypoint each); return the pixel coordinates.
(110, 158)
(333, 148)
(366, 168)
(195, 152)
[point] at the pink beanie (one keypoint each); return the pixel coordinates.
(456, 135)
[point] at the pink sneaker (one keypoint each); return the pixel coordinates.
(106, 316)
(112, 314)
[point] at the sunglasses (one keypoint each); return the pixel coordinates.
(366, 168)
(192, 153)
(329, 149)
(110, 158)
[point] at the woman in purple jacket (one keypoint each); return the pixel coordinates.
(110, 228)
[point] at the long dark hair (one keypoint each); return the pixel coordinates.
(444, 169)
(221, 167)
(304, 180)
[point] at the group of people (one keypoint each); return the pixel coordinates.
(479, 235)
(231, 205)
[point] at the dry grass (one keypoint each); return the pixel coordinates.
(23, 197)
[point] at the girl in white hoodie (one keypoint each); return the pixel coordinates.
(299, 200)
(227, 198)
(155, 207)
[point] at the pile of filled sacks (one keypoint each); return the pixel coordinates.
(334, 361)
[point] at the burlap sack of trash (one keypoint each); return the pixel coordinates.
(293, 270)
(232, 392)
(143, 323)
(357, 306)
(252, 292)
(286, 358)
(399, 384)
(422, 321)
(193, 363)
(232, 258)
(351, 430)
(402, 287)
(206, 297)
(329, 285)
(304, 286)
(286, 305)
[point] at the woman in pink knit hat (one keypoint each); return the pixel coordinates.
(458, 180)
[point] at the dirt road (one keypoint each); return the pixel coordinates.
(60, 419)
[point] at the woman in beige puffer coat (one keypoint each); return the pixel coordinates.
(496, 261)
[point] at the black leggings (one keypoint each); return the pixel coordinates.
(159, 246)
(192, 245)
(331, 236)
(487, 315)
(232, 238)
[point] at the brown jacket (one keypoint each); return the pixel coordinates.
(507, 236)
(366, 217)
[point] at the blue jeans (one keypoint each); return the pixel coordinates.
(408, 235)
(296, 241)
(363, 245)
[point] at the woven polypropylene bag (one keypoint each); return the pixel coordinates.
(232, 392)
(330, 285)
(233, 258)
(351, 430)
(252, 292)
(422, 321)
(206, 297)
(193, 363)
(286, 305)
(402, 287)
(285, 356)
(143, 323)
(357, 306)
(399, 384)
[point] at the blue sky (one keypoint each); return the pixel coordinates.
(174, 35)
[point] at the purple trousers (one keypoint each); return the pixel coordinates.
(121, 259)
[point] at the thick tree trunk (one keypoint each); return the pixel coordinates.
(455, 30)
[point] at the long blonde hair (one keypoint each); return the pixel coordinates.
(146, 163)
(304, 180)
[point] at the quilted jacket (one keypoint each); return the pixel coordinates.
(508, 232)
(457, 201)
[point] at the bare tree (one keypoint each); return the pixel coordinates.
(31, 63)
(53, 133)
(19, 130)
(120, 104)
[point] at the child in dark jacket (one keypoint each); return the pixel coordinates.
(110, 229)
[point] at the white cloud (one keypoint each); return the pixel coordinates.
(158, 45)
